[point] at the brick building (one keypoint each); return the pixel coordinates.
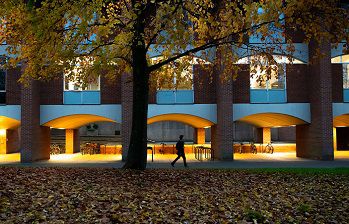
(310, 98)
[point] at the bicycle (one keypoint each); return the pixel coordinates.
(253, 148)
(55, 149)
(269, 148)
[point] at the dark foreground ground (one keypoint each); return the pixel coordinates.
(98, 195)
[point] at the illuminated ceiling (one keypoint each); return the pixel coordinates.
(341, 121)
(194, 121)
(272, 120)
(75, 121)
(8, 123)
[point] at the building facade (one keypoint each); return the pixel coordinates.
(312, 98)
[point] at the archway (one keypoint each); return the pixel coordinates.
(66, 137)
(194, 128)
(276, 128)
(9, 139)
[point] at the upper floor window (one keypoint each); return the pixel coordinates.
(170, 79)
(74, 83)
(75, 80)
(344, 60)
(263, 76)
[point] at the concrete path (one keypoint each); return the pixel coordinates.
(276, 160)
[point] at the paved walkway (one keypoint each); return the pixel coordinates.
(276, 160)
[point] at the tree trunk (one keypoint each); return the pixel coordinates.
(137, 152)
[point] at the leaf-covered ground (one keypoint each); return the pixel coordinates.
(80, 195)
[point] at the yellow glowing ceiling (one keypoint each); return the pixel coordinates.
(194, 121)
(341, 121)
(8, 123)
(272, 120)
(75, 121)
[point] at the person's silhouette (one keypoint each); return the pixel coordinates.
(180, 151)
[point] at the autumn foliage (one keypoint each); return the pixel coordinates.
(78, 195)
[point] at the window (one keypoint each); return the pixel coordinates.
(268, 83)
(261, 80)
(344, 60)
(74, 83)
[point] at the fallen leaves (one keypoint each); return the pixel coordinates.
(80, 195)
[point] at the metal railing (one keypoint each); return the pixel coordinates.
(203, 153)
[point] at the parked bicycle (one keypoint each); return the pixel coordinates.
(55, 149)
(253, 148)
(269, 148)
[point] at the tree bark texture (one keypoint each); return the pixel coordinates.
(137, 152)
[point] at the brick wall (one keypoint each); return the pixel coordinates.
(110, 90)
(35, 139)
(315, 140)
(297, 83)
(337, 83)
(152, 94)
(126, 105)
(13, 87)
(241, 85)
(222, 132)
(51, 91)
(204, 85)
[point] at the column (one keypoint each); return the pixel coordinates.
(35, 139)
(72, 141)
(3, 141)
(126, 105)
(199, 136)
(315, 140)
(264, 135)
(222, 139)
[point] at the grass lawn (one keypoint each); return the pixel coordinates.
(80, 195)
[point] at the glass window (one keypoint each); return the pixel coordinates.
(344, 60)
(267, 77)
(345, 76)
(73, 82)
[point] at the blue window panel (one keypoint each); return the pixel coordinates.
(165, 97)
(268, 96)
(259, 96)
(82, 97)
(277, 96)
(72, 97)
(184, 96)
(346, 95)
(91, 97)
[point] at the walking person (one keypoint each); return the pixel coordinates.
(180, 151)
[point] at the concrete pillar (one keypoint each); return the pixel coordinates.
(199, 136)
(35, 139)
(72, 141)
(315, 140)
(264, 135)
(223, 130)
(3, 148)
(126, 105)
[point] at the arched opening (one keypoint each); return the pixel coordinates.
(276, 129)
(84, 137)
(164, 130)
(341, 136)
(9, 139)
